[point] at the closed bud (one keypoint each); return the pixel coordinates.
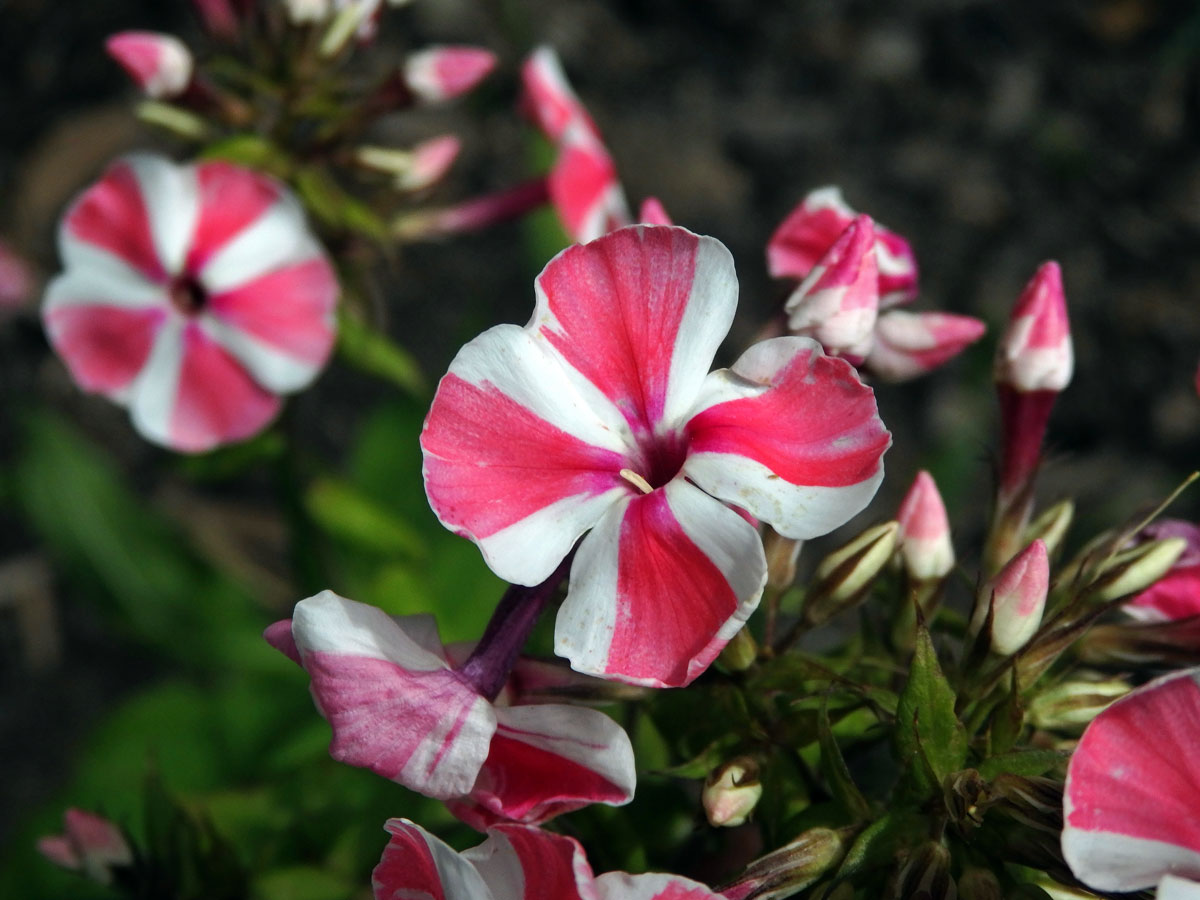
(90, 844)
(979, 884)
(306, 12)
(791, 868)
(1153, 643)
(1051, 526)
(925, 875)
(1073, 704)
(437, 74)
(652, 212)
(1033, 801)
(176, 120)
(837, 303)
(159, 64)
(1134, 570)
(731, 792)
(924, 535)
(910, 344)
(846, 574)
(782, 553)
(349, 21)
(1035, 352)
(1019, 599)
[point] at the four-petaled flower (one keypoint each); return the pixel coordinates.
(601, 416)
(194, 295)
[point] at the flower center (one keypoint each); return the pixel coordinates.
(658, 461)
(187, 295)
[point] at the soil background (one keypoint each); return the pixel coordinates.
(994, 135)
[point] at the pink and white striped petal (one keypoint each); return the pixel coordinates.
(522, 863)
(437, 74)
(1129, 800)
(584, 187)
(418, 866)
(838, 301)
(653, 213)
(659, 586)
(812, 228)
(395, 707)
(548, 98)
(104, 347)
(909, 344)
(789, 434)
(1177, 594)
(1035, 352)
(652, 886)
(159, 64)
(547, 760)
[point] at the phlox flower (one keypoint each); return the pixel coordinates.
(1129, 804)
(515, 863)
(400, 707)
(194, 295)
(600, 417)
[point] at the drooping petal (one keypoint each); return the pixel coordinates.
(522, 863)
(436, 74)
(789, 434)
(1129, 801)
(639, 315)
(548, 98)
(548, 760)
(659, 587)
(160, 64)
(395, 707)
(909, 344)
(652, 886)
(584, 187)
(515, 459)
(418, 866)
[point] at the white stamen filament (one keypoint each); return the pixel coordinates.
(637, 481)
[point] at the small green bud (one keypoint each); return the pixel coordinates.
(1135, 569)
(792, 867)
(926, 874)
(1073, 704)
(1051, 526)
(846, 574)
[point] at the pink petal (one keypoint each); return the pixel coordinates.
(231, 199)
(789, 434)
(441, 73)
(416, 865)
(105, 347)
(59, 851)
(548, 98)
(431, 160)
(1177, 594)
(217, 400)
(653, 213)
(111, 216)
(1129, 802)
(652, 886)
(160, 64)
(522, 863)
(910, 344)
(838, 301)
(584, 187)
(279, 635)
(395, 708)
(659, 587)
(546, 761)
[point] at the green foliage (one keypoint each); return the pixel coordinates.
(930, 740)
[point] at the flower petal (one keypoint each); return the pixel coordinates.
(438, 73)
(548, 98)
(639, 314)
(789, 434)
(659, 587)
(584, 187)
(1129, 801)
(231, 199)
(395, 707)
(522, 863)
(515, 459)
(172, 200)
(909, 344)
(416, 865)
(652, 886)
(105, 347)
(549, 760)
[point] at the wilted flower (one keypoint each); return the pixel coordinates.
(160, 64)
(91, 845)
(398, 708)
(437, 74)
(599, 417)
(1129, 804)
(194, 295)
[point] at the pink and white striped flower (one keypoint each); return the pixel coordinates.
(1129, 805)
(909, 344)
(437, 74)
(399, 708)
(599, 417)
(838, 301)
(924, 535)
(812, 228)
(516, 862)
(194, 295)
(159, 64)
(1177, 594)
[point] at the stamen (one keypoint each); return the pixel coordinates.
(637, 481)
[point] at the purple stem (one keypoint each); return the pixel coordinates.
(489, 665)
(489, 209)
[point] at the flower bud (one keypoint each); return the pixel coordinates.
(653, 213)
(782, 554)
(437, 74)
(979, 884)
(1134, 570)
(1074, 703)
(837, 303)
(924, 533)
(92, 845)
(1019, 599)
(1051, 526)
(159, 64)
(848, 572)
(789, 869)
(430, 161)
(731, 792)
(1153, 643)
(926, 874)
(1033, 801)
(909, 344)
(305, 12)
(1035, 352)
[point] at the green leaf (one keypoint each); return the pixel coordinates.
(301, 883)
(351, 516)
(837, 773)
(926, 725)
(251, 150)
(373, 352)
(876, 845)
(1027, 763)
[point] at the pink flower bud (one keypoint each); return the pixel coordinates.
(731, 793)
(909, 344)
(431, 160)
(159, 64)
(925, 531)
(1035, 353)
(653, 213)
(91, 844)
(1019, 599)
(442, 73)
(838, 301)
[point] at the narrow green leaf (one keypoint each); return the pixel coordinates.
(373, 352)
(351, 516)
(1027, 763)
(252, 150)
(925, 721)
(837, 773)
